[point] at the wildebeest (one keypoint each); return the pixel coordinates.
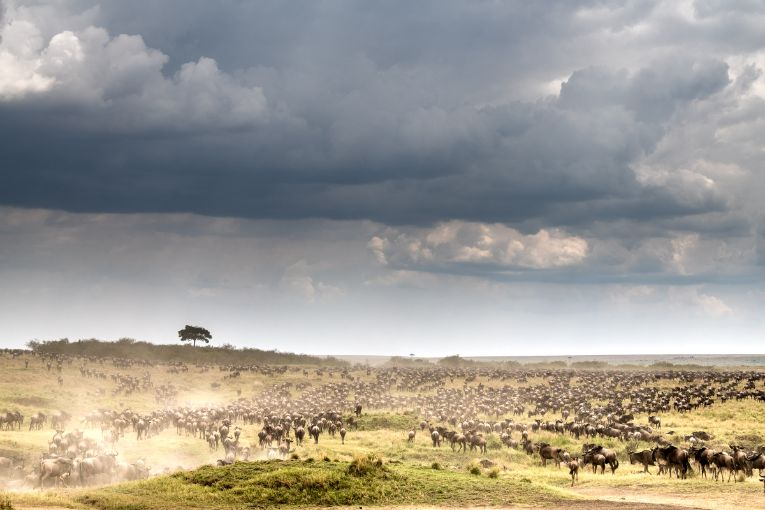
(314, 432)
(596, 460)
(675, 458)
(95, 468)
(757, 461)
(299, 435)
(573, 469)
(54, 468)
(703, 457)
(608, 454)
(36, 421)
(740, 460)
(129, 472)
(547, 452)
(723, 460)
(644, 457)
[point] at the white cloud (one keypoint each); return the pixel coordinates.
(120, 75)
(459, 242)
(713, 306)
(298, 281)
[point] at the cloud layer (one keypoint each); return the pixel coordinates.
(344, 126)
(610, 149)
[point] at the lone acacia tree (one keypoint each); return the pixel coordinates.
(194, 334)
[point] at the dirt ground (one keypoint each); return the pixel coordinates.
(668, 500)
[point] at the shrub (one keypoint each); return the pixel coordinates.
(436, 466)
(493, 472)
(474, 468)
(493, 442)
(364, 465)
(5, 503)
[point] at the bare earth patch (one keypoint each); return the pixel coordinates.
(728, 501)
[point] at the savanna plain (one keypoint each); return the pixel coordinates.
(112, 432)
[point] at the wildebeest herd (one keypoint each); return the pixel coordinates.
(469, 410)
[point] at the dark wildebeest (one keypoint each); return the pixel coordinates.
(596, 460)
(357, 410)
(675, 458)
(724, 461)
(607, 453)
(342, 435)
(573, 469)
(547, 452)
(299, 435)
(757, 461)
(436, 438)
(460, 440)
(703, 457)
(315, 431)
(411, 435)
(739, 459)
(655, 421)
(644, 457)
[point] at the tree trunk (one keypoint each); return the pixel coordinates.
(194, 341)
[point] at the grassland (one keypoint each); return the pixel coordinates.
(321, 474)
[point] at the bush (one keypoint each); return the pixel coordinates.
(493, 472)
(5, 503)
(436, 466)
(387, 421)
(493, 442)
(474, 468)
(364, 465)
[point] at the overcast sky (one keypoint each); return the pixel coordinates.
(430, 177)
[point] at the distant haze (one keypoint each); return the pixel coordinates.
(433, 177)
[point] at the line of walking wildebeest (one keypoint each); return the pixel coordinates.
(461, 407)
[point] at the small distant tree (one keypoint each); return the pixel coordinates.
(194, 334)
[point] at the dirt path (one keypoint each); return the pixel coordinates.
(706, 501)
(572, 505)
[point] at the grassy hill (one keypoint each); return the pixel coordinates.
(127, 348)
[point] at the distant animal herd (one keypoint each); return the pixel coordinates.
(509, 405)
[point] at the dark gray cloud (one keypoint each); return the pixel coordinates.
(629, 125)
(108, 131)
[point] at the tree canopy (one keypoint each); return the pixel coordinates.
(194, 334)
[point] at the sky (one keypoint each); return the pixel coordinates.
(342, 177)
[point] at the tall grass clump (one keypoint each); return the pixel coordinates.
(5, 503)
(365, 465)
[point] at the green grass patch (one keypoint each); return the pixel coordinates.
(388, 421)
(365, 481)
